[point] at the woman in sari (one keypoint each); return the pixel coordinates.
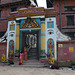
(21, 58)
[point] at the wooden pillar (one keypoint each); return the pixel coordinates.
(42, 39)
(17, 38)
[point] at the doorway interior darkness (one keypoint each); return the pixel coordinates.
(30, 40)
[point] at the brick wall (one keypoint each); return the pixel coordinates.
(3, 49)
(63, 3)
(3, 25)
(66, 51)
(8, 1)
(5, 12)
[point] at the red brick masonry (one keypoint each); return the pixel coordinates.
(3, 49)
(66, 51)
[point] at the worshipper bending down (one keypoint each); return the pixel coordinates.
(54, 67)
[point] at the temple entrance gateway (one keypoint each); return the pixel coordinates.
(30, 40)
(35, 29)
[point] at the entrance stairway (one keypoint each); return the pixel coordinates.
(30, 63)
(32, 54)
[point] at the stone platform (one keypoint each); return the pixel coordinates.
(30, 63)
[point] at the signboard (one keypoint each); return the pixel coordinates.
(71, 49)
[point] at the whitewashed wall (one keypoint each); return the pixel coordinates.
(13, 32)
(53, 35)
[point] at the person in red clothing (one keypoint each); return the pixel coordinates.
(21, 58)
(25, 53)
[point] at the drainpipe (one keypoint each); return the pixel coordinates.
(60, 16)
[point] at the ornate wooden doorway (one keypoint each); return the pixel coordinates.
(30, 40)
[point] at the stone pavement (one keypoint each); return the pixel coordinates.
(10, 70)
(29, 69)
(32, 67)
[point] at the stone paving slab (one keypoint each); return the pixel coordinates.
(10, 70)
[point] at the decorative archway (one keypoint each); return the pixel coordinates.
(11, 47)
(50, 50)
(30, 23)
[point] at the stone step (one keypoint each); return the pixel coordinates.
(33, 50)
(34, 57)
(30, 66)
(32, 54)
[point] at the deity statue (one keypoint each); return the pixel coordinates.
(11, 48)
(51, 51)
(33, 2)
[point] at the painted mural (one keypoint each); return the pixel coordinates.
(50, 50)
(11, 47)
(12, 27)
(50, 24)
(30, 23)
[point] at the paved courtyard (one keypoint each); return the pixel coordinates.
(20, 70)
